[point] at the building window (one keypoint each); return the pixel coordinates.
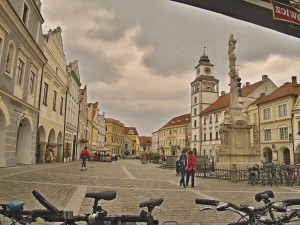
(195, 100)
(56, 71)
(266, 114)
(210, 136)
(25, 13)
(61, 105)
(217, 117)
(267, 134)
(20, 71)
(210, 119)
(195, 111)
(298, 127)
(45, 96)
(195, 138)
(204, 120)
(282, 110)
(31, 82)
(195, 123)
(283, 133)
(217, 135)
(9, 58)
(54, 100)
(126, 146)
(204, 137)
(1, 43)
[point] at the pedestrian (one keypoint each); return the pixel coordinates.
(182, 164)
(51, 152)
(191, 169)
(84, 155)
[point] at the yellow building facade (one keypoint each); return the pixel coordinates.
(53, 97)
(275, 118)
(114, 136)
(174, 136)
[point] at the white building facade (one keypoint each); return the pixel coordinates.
(71, 123)
(204, 91)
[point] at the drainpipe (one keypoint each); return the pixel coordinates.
(39, 108)
(292, 137)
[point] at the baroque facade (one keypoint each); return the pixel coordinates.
(53, 98)
(213, 116)
(114, 136)
(204, 91)
(21, 65)
(175, 135)
(72, 110)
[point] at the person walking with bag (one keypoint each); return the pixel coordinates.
(191, 169)
(84, 155)
(182, 163)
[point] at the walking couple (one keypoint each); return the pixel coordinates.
(186, 165)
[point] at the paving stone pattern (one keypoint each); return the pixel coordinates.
(134, 182)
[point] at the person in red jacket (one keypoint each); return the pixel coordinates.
(191, 169)
(84, 155)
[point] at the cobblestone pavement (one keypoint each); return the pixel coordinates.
(64, 184)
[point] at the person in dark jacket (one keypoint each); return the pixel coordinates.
(182, 165)
(84, 155)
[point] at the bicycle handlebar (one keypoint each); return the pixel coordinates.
(202, 201)
(295, 201)
(239, 223)
(47, 204)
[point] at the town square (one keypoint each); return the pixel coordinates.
(193, 113)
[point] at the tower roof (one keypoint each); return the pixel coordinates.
(204, 60)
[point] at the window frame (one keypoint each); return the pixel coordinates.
(45, 94)
(26, 15)
(265, 115)
(282, 110)
(20, 72)
(283, 135)
(267, 137)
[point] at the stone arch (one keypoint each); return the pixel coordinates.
(41, 145)
(297, 154)
(26, 114)
(51, 137)
(267, 155)
(3, 124)
(24, 140)
(285, 155)
(5, 112)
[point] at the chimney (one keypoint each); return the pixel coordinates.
(264, 77)
(222, 93)
(294, 79)
(247, 84)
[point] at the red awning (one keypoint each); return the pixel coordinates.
(100, 148)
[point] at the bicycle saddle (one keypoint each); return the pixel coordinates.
(152, 203)
(105, 195)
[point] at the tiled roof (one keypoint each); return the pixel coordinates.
(145, 141)
(224, 101)
(178, 120)
(130, 131)
(285, 90)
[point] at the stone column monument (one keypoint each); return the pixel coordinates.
(235, 146)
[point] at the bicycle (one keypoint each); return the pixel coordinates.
(99, 216)
(252, 215)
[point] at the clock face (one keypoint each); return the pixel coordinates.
(207, 70)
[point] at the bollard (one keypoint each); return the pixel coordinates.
(204, 168)
(233, 174)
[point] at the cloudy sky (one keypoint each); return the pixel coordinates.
(137, 57)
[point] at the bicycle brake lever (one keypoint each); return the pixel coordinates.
(207, 208)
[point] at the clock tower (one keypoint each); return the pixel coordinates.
(204, 91)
